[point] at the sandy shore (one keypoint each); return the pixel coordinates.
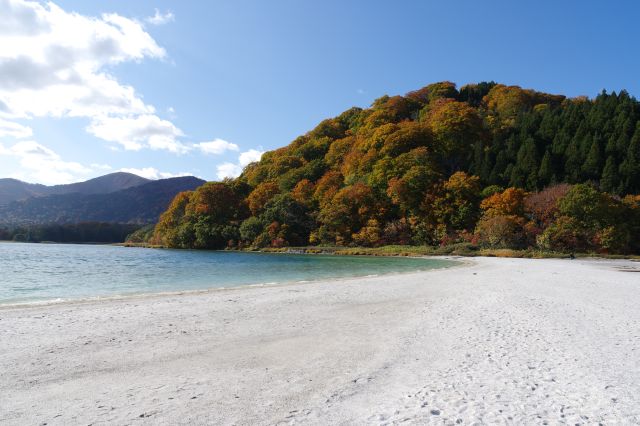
(505, 341)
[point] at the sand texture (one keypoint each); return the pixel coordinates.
(497, 341)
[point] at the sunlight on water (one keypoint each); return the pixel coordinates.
(36, 272)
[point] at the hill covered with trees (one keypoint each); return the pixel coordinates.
(486, 164)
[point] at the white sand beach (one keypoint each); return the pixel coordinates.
(496, 341)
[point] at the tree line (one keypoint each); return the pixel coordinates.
(488, 164)
(85, 232)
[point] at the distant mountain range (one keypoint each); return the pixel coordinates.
(16, 190)
(116, 198)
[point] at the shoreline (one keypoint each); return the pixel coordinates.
(410, 251)
(459, 262)
(403, 251)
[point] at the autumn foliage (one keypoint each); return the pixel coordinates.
(489, 164)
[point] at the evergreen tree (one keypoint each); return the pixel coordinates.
(500, 169)
(592, 164)
(630, 167)
(610, 180)
(487, 166)
(572, 163)
(545, 173)
(612, 146)
(527, 166)
(478, 157)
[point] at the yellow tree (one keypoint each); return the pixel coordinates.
(261, 195)
(166, 232)
(303, 192)
(509, 202)
(456, 127)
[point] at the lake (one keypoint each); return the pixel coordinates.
(44, 272)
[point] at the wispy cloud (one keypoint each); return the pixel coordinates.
(216, 147)
(43, 165)
(159, 18)
(153, 173)
(14, 130)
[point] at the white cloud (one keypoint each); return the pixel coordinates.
(153, 173)
(216, 147)
(19, 18)
(228, 170)
(249, 157)
(43, 165)
(233, 170)
(54, 63)
(136, 132)
(15, 130)
(56, 67)
(160, 18)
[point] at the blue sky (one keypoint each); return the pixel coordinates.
(206, 86)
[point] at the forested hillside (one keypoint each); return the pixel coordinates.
(487, 164)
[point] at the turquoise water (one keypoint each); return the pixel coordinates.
(39, 272)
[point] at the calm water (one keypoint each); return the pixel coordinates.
(35, 272)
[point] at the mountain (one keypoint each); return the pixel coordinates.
(140, 204)
(15, 190)
(101, 185)
(485, 164)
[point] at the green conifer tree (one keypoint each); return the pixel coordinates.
(630, 167)
(572, 163)
(545, 173)
(593, 163)
(610, 180)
